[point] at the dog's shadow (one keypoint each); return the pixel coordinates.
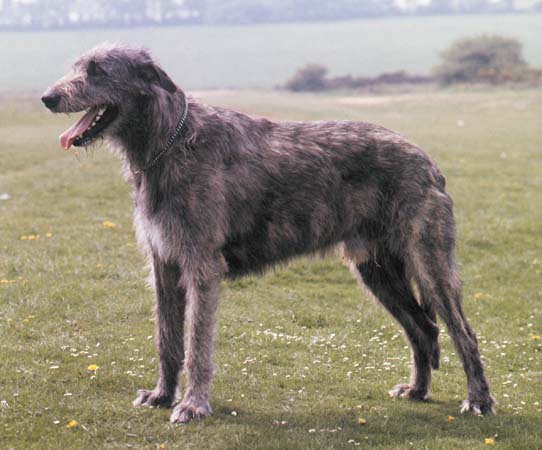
(404, 425)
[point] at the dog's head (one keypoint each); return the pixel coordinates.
(110, 83)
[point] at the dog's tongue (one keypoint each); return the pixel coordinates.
(78, 128)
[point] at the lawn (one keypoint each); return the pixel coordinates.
(302, 353)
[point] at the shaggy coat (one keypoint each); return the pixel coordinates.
(236, 194)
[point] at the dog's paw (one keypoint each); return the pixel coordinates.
(408, 391)
(185, 412)
(154, 398)
(479, 407)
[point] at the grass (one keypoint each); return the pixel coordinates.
(302, 354)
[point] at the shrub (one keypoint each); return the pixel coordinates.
(489, 59)
(312, 77)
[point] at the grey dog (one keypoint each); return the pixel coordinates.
(217, 194)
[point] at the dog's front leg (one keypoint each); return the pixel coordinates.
(169, 317)
(202, 300)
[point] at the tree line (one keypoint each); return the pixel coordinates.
(77, 13)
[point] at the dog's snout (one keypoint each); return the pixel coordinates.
(51, 100)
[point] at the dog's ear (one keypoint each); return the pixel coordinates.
(154, 74)
(93, 68)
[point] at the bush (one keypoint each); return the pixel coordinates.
(487, 59)
(312, 77)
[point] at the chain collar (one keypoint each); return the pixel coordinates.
(168, 145)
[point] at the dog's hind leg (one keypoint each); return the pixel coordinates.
(169, 317)
(429, 309)
(444, 288)
(433, 266)
(202, 295)
(384, 275)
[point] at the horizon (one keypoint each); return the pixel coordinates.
(221, 57)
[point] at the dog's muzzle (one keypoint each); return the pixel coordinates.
(51, 101)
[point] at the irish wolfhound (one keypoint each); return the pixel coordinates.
(217, 194)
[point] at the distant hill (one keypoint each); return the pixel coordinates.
(51, 14)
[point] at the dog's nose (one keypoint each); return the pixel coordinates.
(51, 100)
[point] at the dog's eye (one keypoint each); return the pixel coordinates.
(94, 69)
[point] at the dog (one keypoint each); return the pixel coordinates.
(219, 194)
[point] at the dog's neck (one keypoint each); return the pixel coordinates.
(151, 126)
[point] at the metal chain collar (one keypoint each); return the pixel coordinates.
(169, 142)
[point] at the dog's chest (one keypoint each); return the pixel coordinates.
(152, 231)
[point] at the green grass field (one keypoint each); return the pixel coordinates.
(302, 354)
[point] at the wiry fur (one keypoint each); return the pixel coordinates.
(237, 194)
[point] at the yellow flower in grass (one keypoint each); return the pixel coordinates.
(489, 441)
(93, 367)
(108, 224)
(30, 237)
(478, 295)
(451, 418)
(72, 424)
(362, 421)
(535, 337)
(49, 234)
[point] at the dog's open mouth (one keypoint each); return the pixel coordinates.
(88, 127)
